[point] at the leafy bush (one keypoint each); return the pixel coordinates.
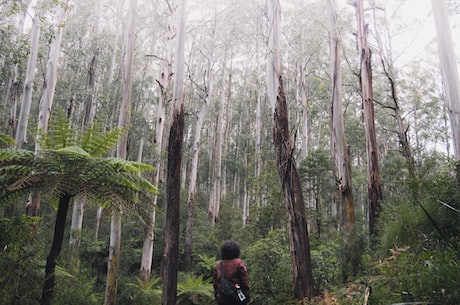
(270, 269)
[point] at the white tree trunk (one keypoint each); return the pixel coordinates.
(214, 200)
(21, 132)
(123, 120)
(448, 69)
(273, 62)
(46, 99)
(163, 84)
(200, 116)
(88, 118)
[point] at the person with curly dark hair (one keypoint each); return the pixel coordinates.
(234, 269)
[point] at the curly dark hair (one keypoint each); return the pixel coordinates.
(230, 249)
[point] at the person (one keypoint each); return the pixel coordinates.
(234, 269)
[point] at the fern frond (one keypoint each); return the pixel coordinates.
(6, 140)
(60, 133)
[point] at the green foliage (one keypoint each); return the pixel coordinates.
(270, 269)
(419, 243)
(95, 139)
(20, 262)
(206, 265)
(5, 140)
(408, 276)
(71, 290)
(73, 171)
(194, 290)
(325, 258)
(135, 291)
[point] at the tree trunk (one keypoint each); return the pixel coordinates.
(87, 121)
(46, 99)
(290, 182)
(123, 120)
(171, 249)
(340, 146)
(49, 85)
(21, 132)
(365, 78)
(215, 195)
(448, 69)
(59, 228)
(75, 233)
(194, 162)
(292, 189)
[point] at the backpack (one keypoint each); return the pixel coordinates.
(231, 291)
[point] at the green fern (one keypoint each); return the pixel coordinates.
(193, 288)
(72, 171)
(5, 140)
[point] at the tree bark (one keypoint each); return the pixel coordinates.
(448, 69)
(365, 78)
(215, 195)
(171, 250)
(59, 228)
(299, 243)
(200, 116)
(21, 132)
(292, 189)
(123, 120)
(340, 146)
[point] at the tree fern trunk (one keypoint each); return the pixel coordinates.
(59, 228)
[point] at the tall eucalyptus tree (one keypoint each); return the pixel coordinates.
(163, 81)
(290, 182)
(124, 119)
(365, 80)
(448, 69)
(341, 150)
(23, 119)
(200, 113)
(173, 182)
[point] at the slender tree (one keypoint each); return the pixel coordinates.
(21, 131)
(192, 187)
(163, 81)
(289, 177)
(124, 119)
(448, 69)
(365, 80)
(340, 147)
(173, 181)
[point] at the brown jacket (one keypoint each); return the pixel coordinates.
(235, 270)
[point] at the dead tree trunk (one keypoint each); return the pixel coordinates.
(292, 189)
(173, 180)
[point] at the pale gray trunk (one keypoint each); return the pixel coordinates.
(46, 99)
(163, 84)
(88, 117)
(273, 63)
(200, 116)
(12, 93)
(123, 120)
(214, 200)
(448, 69)
(305, 125)
(340, 147)
(21, 132)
